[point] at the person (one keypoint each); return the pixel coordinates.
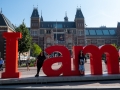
(82, 59)
(39, 61)
(105, 61)
(1, 64)
(28, 64)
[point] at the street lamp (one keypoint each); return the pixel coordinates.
(56, 31)
(85, 35)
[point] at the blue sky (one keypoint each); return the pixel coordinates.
(96, 12)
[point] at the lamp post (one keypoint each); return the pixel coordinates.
(85, 35)
(56, 31)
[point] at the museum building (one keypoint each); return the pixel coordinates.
(70, 33)
(67, 33)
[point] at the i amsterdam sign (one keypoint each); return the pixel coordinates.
(11, 69)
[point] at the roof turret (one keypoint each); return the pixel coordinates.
(35, 13)
(79, 13)
(66, 18)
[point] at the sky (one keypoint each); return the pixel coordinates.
(96, 12)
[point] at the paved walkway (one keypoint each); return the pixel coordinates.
(32, 71)
(96, 85)
(92, 84)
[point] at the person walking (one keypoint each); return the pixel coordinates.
(28, 64)
(39, 61)
(1, 64)
(82, 60)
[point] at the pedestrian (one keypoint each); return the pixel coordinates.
(105, 61)
(40, 60)
(82, 60)
(1, 64)
(28, 64)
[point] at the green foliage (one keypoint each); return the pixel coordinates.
(32, 60)
(35, 50)
(24, 44)
(117, 47)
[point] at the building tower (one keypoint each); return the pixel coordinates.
(35, 20)
(80, 27)
(35, 25)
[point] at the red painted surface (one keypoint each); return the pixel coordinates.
(95, 59)
(11, 69)
(76, 51)
(65, 59)
(112, 58)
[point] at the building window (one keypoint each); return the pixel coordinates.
(35, 33)
(82, 32)
(93, 41)
(114, 41)
(100, 42)
(107, 41)
(112, 32)
(57, 25)
(41, 31)
(81, 41)
(74, 31)
(99, 32)
(48, 32)
(69, 31)
(106, 32)
(88, 41)
(92, 32)
(87, 32)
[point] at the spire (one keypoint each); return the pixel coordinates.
(66, 14)
(37, 6)
(41, 16)
(1, 11)
(66, 18)
(79, 13)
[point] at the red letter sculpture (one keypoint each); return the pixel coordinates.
(112, 58)
(95, 59)
(65, 59)
(11, 68)
(76, 52)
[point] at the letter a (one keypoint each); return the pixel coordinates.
(65, 59)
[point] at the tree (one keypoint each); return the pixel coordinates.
(24, 44)
(35, 50)
(117, 47)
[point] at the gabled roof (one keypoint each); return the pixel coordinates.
(79, 13)
(35, 13)
(48, 24)
(5, 22)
